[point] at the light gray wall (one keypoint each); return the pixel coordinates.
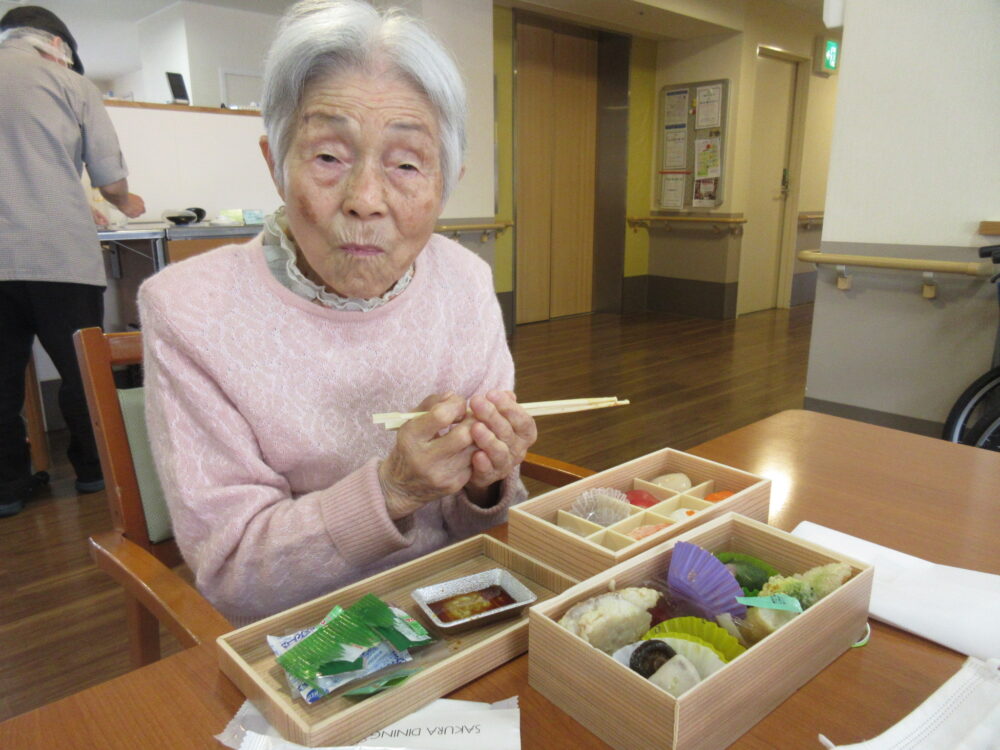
(881, 346)
(224, 39)
(914, 169)
(163, 49)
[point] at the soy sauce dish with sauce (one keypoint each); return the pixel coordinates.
(461, 606)
(474, 600)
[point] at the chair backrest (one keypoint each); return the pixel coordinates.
(154, 505)
(138, 509)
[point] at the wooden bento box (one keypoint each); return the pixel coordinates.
(450, 662)
(542, 527)
(627, 711)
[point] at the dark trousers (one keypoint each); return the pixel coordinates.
(52, 311)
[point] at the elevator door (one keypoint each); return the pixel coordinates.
(555, 163)
(770, 146)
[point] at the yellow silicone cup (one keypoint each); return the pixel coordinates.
(709, 632)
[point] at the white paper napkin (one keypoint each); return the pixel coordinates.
(962, 714)
(955, 607)
(443, 725)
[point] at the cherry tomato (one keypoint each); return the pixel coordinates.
(641, 498)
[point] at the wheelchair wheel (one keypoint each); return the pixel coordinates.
(980, 397)
(986, 432)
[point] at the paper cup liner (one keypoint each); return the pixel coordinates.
(699, 578)
(714, 635)
(601, 505)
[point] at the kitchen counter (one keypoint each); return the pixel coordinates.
(158, 234)
(211, 231)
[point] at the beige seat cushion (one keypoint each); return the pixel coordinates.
(133, 403)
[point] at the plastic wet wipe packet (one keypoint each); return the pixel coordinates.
(442, 725)
(347, 645)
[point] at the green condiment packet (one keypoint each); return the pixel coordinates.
(393, 625)
(339, 642)
(372, 611)
(344, 638)
(339, 667)
(335, 612)
(405, 632)
(384, 683)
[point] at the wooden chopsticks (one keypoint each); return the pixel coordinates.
(394, 420)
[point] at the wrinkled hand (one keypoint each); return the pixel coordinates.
(502, 432)
(425, 464)
(487, 439)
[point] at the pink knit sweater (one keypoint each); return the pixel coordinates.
(259, 408)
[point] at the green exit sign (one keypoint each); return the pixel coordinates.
(827, 56)
(831, 55)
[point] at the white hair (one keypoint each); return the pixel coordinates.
(319, 38)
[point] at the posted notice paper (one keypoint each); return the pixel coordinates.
(672, 191)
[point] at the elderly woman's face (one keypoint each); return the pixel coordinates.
(363, 180)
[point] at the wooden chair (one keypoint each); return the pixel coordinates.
(154, 592)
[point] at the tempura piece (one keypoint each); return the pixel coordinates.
(811, 586)
(610, 621)
(643, 598)
(760, 622)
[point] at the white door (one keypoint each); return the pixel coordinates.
(770, 145)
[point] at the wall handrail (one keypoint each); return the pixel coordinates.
(732, 224)
(809, 220)
(900, 264)
(456, 230)
(498, 227)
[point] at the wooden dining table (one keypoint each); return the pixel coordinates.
(919, 495)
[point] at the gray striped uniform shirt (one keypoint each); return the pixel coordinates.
(52, 123)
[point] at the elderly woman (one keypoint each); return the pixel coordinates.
(265, 361)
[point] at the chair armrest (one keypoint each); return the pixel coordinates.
(173, 601)
(551, 470)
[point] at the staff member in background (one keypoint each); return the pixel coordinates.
(52, 122)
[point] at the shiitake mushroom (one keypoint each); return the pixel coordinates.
(650, 656)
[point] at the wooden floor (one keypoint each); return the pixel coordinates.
(62, 623)
(688, 380)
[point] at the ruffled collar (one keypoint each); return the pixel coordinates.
(280, 254)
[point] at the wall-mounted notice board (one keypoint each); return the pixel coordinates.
(692, 131)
